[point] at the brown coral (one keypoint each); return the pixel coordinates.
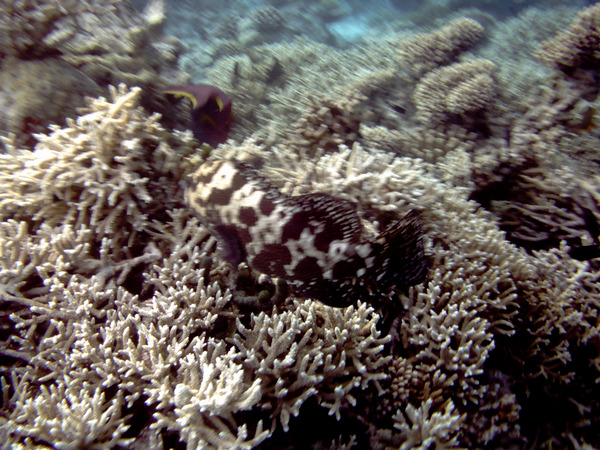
(459, 89)
(428, 51)
(328, 124)
(577, 45)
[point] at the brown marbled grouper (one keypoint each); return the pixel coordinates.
(314, 241)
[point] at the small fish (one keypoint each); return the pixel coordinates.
(211, 111)
(314, 241)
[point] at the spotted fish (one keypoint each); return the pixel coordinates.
(314, 241)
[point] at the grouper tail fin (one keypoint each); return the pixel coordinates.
(399, 257)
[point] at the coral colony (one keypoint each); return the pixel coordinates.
(390, 242)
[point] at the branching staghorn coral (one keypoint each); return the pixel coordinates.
(148, 339)
(421, 142)
(258, 82)
(91, 173)
(281, 84)
(483, 299)
(511, 43)
(476, 352)
(328, 124)
(313, 351)
(65, 414)
(60, 281)
(542, 185)
(273, 86)
(523, 310)
(544, 210)
(573, 51)
(422, 427)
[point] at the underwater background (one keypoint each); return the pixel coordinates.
(121, 326)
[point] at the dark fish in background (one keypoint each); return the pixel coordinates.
(211, 111)
(314, 241)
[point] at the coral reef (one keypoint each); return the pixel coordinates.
(303, 353)
(328, 124)
(273, 85)
(107, 40)
(262, 25)
(78, 48)
(118, 301)
(487, 306)
(120, 324)
(459, 89)
(577, 45)
(574, 50)
(428, 51)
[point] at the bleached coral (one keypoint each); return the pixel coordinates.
(66, 414)
(421, 427)
(210, 387)
(420, 142)
(328, 124)
(132, 314)
(91, 173)
(73, 282)
(354, 174)
(511, 43)
(479, 301)
(313, 350)
(274, 85)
